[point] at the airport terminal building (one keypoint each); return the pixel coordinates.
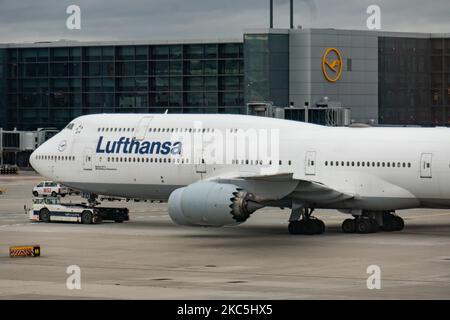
(387, 78)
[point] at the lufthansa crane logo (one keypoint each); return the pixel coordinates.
(62, 145)
(332, 64)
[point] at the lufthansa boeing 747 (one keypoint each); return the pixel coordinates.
(217, 170)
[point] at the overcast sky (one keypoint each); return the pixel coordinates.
(45, 20)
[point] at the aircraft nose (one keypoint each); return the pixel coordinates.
(33, 161)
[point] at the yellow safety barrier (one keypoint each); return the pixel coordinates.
(25, 251)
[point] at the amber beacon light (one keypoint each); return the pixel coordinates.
(332, 64)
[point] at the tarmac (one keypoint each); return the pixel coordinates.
(150, 257)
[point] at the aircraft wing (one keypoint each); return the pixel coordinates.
(284, 184)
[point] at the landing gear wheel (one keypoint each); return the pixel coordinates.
(86, 217)
(296, 227)
(320, 226)
(44, 215)
(311, 227)
(399, 223)
(348, 226)
(392, 223)
(363, 226)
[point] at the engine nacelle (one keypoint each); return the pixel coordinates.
(211, 204)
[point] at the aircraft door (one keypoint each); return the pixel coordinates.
(87, 159)
(142, 128)
(200, 166)
(310, 163)
(425, 165)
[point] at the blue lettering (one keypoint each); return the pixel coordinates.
(110, 147)
(136, 145)
(145, 147)
(99, 145)
(158, 145)
(166, 147)
(127, 146)
(176, 148)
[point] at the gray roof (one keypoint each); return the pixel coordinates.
(75, 43)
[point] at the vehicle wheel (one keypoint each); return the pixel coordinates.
(363, 226)
(44, 215)
(97, 219)
(62, 195)
(86, 217)
(54, 194)
(348, 226)
(373, 225)
(35, 193)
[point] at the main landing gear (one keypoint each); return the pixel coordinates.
(302, 222)
(370, 222)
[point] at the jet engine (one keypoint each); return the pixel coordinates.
(211, 204)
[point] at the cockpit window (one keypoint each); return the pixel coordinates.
(70, 126)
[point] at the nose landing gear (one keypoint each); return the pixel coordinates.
(302, 222)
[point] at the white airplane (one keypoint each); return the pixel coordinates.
(366, 172)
